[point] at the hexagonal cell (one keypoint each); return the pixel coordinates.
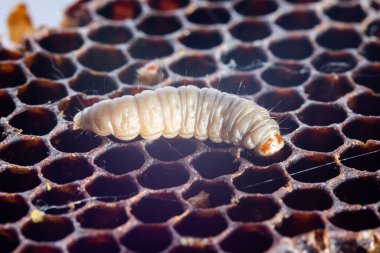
(35, 248)
(322, 139)
(313, 168)
(9, 55)
(328, 88)
(17, 179)
(147, 238)
(244, 58)
(251, 238)
(167, 5)
(328, 38)
(11, 75)
(201, 39)
(159, 25)
(368, 76)
(111, 189)
(50, 66)
(240, 84)
(67, 169)
(157, 207)
(365, 103)
(171, 149)
(163, 175)
(75, 141)
(50, 229)
(299, 199)
(293, 48)
(120, 10)
(25, 151)
(300, 223)
(194, 66)
(362, 129)
(286, 74)
(34, 121)
(322, 114)
(278, 157)
(53, 41)
(110, 34)
(351, 13)
(151, 48)
(371, 51)
(373, 28)
(102, 58)
(361, 157)
(287, 123)
(298, 19)
(256, 8)
(40, 92)
(7, 104)
(101, 216)
(334, 62)
(215, 164)
(201, 223)
(254, 180)
(281, 100)
(95, 244)
(209, 16)
(12, 208)
(251, 30)
(254, 209)
(355, 220)
(193, 249)
(71, 105)
(8, 240)
(92, 83)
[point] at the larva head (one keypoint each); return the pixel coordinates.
(270, 145)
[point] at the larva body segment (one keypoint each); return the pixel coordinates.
(188, 112)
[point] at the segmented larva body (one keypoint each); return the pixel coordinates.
(187, 111)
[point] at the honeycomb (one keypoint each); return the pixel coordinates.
(313, 64)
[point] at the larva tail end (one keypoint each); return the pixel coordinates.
(271, 145)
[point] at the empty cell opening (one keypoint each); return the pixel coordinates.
(93, 83)
(7, 104)
(75, 141)
(334, 62)
(94, 244)
(298, 20)
(361, 157)
(17, 179)
(9, 55)
(281, 100)
(254, 209)
(163, 175)
(110, 34)
(329, 38)
(300, 223)
(8, 240)
(34, 248)
(40, 92)
(102, 217)
(11, 75)
(53, 41)
(167, 5)
(294, 48)
(285, 74)
(309, 199)
(239, 84)
(201, 39)
(159, 25)
(244, 58)
(351, 13)
(251, 30)
(278, 157)
(120, 10)
(209, 16)
(371, 51)
(373, 29)
(328, 88)
(365, 103)
(369, 76)
(318, 139)
(157, 207)
(72, 105)
(151, 48)
(171, 149)
(256, 8)
(322, 114)
(287, 123)
(363, 129)
(12, 208)
(102, 58)
(356, 220)
(211, 165)
(194, 66)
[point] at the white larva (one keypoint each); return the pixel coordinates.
(187, 111)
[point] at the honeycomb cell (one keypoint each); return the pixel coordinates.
(25, 151)
(38, 248)
(254, 209)
(9, 55)
(373, 29)
(75, 141)
(244, 58)
(371, 51)
(251, 238)
(193, 249)
(18, 179)
(368, 76)
(53, 41)
(170, 149)
(255, 7)
(300, 199)
(322, 139)
(201, 223)
(167, 5)
(92, 83)
(8, 240)
(53, 67)
(209, 16)
(50, 229)
(215, 164)
(254, 180)
(355, 220)
(280, 156)
(120, 10)
(67, 169)
(251, 30)
(12, 208)
(95, 244)
(110, 34)
(287, 123)
(147, 238)
(350, 13)
(360, 190)
(361, 157)
(313, 168)
(40, 92)
(34, 121)
(292, 48)
(286, 74)
(201, 39)
(159, 25)
(362, 129)
(110, 189)
(365, 103)
(102, 58)
(329, 38)
(298, 19)
(334, 62)
(281, 100)
(102, 216)
(151, 48)
(194, 66)
(7, 104)
(157, 207)
(239, 84)
(327, 88)
(300, 223)
(11, 75)
(163, 175)
(322, 114)
(71, 105)
(128, 75)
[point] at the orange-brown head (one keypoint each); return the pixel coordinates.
(271, 145)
